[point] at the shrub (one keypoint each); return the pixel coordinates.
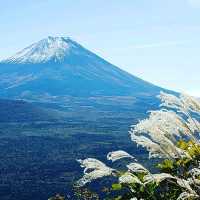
(170, 134)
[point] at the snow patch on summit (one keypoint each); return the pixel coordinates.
(51, 48)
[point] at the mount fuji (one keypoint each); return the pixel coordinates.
(56, 67)
(59, 102)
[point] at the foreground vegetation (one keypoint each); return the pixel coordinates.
(170, 135)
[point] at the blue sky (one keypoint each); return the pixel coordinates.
(157, 40)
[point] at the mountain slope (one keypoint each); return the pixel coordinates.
(58, 66)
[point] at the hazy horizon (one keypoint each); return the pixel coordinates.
(156, 41)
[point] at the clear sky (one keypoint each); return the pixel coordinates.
(157, 40)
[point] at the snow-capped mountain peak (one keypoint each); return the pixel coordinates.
(50, 48)
(59, 66)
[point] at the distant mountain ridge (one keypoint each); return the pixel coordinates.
(18, 111)
(59, 66)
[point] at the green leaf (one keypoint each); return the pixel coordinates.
(116, 186)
